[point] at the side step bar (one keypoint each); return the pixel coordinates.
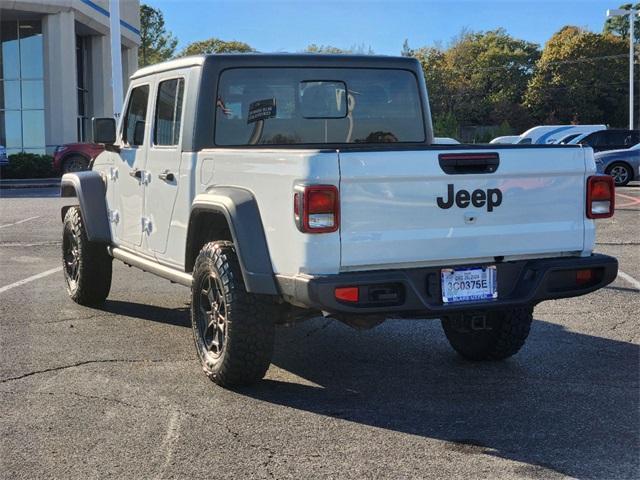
(151, 266)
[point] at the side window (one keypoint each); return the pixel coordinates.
(136, 116)
(166, 130)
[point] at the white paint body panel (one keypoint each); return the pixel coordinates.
(270, 175)
(390, 218)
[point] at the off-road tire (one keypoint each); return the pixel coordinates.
(248, 338)
(503, 335)
(626, 168)
(88, 281)
(75, 163)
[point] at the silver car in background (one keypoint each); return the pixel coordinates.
(622, 165)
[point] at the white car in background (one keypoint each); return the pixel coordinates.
(549, 134)
(445, 141)
(4, 160)
(575, 140)
(506, 139)
(572, 136)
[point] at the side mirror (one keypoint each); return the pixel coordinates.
(138, 133)
(104, 130)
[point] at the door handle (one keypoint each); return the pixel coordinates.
(167, 176)
(136, 173)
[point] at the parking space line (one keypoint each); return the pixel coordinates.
(18, 222)
(633, 200)
(628, 278)
(30, 279)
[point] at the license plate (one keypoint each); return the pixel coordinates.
(469, 284)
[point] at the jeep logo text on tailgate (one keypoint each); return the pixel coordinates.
(478, 198)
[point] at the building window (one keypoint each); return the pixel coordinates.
(81, 68)
(21, 86)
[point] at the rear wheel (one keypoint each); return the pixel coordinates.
(233, 330)
(86, 265)
(75, 163)
(621, 173)
(489, 336)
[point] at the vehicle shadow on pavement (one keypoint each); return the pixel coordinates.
(568, 402)
(170, 316)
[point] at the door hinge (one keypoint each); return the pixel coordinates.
(147, 226)
(114, 216)
(113, 173)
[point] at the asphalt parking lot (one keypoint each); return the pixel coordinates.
(118, 392)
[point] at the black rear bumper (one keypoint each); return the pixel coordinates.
(520, 283)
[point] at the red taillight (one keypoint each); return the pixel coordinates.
(600, 196)
(347, 294)
(316, 208)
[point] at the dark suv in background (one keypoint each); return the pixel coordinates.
(612, 139)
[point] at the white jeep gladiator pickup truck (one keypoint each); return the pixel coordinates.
(281, 187)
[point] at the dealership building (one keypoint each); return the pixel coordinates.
(55, 69)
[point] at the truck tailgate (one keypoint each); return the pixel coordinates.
(390, 216)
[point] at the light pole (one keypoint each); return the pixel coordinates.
(618, 12)
(116, 56)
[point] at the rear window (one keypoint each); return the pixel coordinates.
(289, 106)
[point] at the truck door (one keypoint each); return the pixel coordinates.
(163, 162)
(130, 179)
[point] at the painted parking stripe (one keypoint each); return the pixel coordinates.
(30, 279)
(18, 222)
(633, 200)
(629, 279)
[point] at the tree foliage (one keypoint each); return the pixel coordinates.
(156, 43)
(481, 78)
(580, 78)
(215, 45)
(620, 25)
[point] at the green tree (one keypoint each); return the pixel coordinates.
(580, 78)
(490, 72)
(156, 43)
(215, 45)
(446, 125)
(481, 78)
(438, 80)
(620, 25)
(406, 51)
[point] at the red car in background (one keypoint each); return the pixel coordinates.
(75, 157)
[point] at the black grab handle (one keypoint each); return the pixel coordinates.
(461, 163)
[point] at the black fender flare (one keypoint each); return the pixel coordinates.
(90, 189)
(240, 209)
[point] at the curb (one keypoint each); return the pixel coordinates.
(29, 183)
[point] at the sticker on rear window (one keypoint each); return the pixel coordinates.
(261, 110)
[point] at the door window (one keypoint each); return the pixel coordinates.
(136, 116)
(168, 115)
(592, 140)
(615, 138)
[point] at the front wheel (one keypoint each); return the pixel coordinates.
(492, 335)
(75, 163)
(233, 330)
(86, 265)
